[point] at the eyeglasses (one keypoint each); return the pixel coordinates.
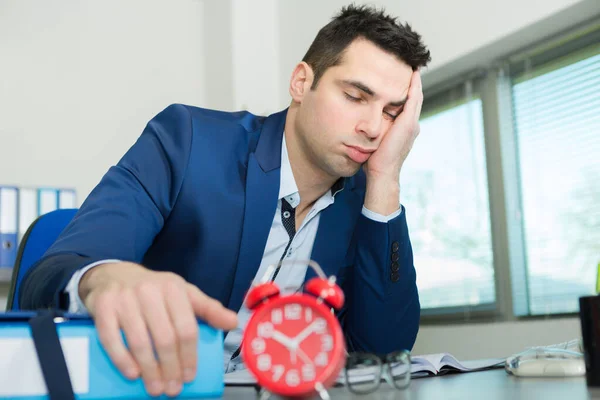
(364, 371)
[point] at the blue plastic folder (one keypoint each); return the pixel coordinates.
(23, 371)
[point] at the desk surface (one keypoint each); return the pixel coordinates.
(488, 385)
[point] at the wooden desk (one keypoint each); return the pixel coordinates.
(485, 385)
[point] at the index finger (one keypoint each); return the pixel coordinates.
(416, 86)
(210, 310)
(414, 103)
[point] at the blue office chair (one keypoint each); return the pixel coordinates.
(42, 233)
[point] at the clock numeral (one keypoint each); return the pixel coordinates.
(265, 329)
(276, 316)
(292, 311)
(263, 362)
(308, 372)
(320, 325)
(308, 315)
(321, 360)
(258, 345)
(292, 378)
(278, 371)
(326, 343)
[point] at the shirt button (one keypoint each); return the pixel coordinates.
(286, 214)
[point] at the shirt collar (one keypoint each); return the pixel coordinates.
(338, 186)
(287, 184)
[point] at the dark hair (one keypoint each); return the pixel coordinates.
(366, 22)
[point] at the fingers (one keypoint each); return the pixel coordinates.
(412, 109)
(109, 333)
(154, 310)
(417, 89)
(140, 343)
(210, 310)
(186, 328)
(158, 320)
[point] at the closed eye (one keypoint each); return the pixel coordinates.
(394, 115)
(352, 98)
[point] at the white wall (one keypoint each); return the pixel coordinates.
(498, 339)
(461, 34)
(79, 79)
(255, 47)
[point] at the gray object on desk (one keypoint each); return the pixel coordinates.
(5, 275)
(489, 385)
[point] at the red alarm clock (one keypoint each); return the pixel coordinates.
(293, 344)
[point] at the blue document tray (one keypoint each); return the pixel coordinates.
(92, 374)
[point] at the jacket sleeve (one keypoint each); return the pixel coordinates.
(382, 309)
(122, 215)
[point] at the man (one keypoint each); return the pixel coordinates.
(204, 201)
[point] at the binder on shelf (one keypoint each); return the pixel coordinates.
(91, 372)
(66, 198)
(9, 211)
(28, 210)
(47, 200)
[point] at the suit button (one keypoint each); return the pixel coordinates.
(395, 267)
(395, 246)
(395, 256)
(395, 276)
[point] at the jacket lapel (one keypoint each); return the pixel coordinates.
(262, 190)
(336, 227)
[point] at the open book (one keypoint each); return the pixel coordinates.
(443, 363)
(422, 366)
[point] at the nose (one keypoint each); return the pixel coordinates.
(371, 124)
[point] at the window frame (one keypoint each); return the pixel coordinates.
(437, 101)
(493, 85)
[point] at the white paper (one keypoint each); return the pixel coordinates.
(21, 374)
(481, 364)
(8, 210)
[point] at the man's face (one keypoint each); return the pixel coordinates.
(343, 120)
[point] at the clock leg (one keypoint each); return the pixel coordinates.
(262, 394)
(323, 394)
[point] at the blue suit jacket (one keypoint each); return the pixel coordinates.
(196, 195)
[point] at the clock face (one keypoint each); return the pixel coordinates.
(291, 343)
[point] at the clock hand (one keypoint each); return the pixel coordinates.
(287, 342)
(283, 339)
(304, 357)
(304, 334)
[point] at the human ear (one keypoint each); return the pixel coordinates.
(301, 81)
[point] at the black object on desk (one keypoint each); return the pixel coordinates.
(589, 315)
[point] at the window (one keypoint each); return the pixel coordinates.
(505, 221)
(445, 191)
(556, 108)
